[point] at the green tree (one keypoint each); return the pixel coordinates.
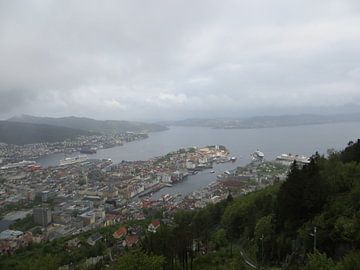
(319, 261)
(138, 260)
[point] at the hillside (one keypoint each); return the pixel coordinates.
(88, 124)
(266, 121)
(25, 133)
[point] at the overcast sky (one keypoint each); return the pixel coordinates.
(155, 60)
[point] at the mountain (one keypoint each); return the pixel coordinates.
(88, 124)
(266, 121)
(25, 133)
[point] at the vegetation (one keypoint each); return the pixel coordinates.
(273, 228)
(87, 124)
(139, 260)
(25, 133)
(24, 224)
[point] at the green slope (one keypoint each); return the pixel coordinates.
(88, 124)
(25, 133)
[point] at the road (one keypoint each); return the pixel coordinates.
(247, 260)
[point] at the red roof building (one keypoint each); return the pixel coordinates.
(154, 225)
(121, 232)
(130, 240)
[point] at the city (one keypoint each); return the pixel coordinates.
(43, 204)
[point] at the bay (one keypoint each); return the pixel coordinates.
(305, 140)
(241, 142)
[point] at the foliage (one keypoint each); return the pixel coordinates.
(138, 260)
(319, 261)
(24, 224)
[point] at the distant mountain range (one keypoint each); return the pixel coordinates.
(266, 121)
(26, 129)
(25, 133)
(88, 124)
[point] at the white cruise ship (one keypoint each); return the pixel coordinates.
(288, 159)
(18, 164)
(73, 160)
(257, 156)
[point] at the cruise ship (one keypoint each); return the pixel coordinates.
(73, 160)
(18, 164)
(257, 156)
(288, 159)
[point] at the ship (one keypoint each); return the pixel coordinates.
(257, 156)
(88, 150)
(288, 159)
(73, 160)
(23, 163)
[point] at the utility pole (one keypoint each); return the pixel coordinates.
(314, 235)
(262, 251)
(314, 238)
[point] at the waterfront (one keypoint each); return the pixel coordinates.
(95, 180)
(241, 143)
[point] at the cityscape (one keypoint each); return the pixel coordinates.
(83, 194)
(179, 135)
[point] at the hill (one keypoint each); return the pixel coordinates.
(25, 133)
(88, 124)
(266, 121)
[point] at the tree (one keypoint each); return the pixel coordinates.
(350, 262)
(219, 238)
(138, 260)
(319, 261)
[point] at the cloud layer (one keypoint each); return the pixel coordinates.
(177, 59)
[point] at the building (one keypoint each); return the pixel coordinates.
(121, 232)
(11, 240)
(42, 216)
(88, 218)
(94, 238)
(154, 225)
(131, 240)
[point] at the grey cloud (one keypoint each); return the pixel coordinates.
(150, 59)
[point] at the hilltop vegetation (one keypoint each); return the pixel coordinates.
(25, 133)
(273, 227)
(87, 124)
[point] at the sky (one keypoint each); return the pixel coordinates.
(163, 60)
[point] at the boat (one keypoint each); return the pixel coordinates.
(257, 156)
(212, 171)
(288, 159)
(18, 164)
(167, 197)
(88, 150)
(73, 160)
(233, 159)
